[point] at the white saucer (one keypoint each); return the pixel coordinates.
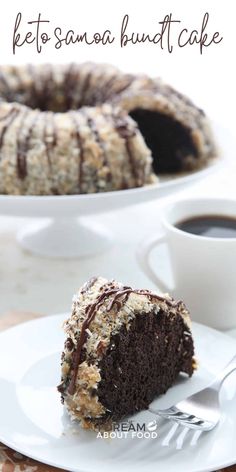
(33, 420)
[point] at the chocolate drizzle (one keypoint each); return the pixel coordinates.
(124, 132)
(84, 89)
(33, 86)
(121, 88)
(11, 116)
(97, 95)
(107, 88)
(121, 295)
(22, 149)
(99, 141)
(45, 140)
(7, 91)
(3, 79)
(49, 145)
(70, 82)
(47, 92)
(54, 132)
(81, 150)
(7, 115)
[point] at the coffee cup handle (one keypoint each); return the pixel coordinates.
(143, 254)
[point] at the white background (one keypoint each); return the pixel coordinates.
(209, 78)
(29, 283)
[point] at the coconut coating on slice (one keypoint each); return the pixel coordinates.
(123, 347)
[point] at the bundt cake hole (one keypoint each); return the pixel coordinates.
(43, 101)
(169, 141)
(149, 367)
(48, 97)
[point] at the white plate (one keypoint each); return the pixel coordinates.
(34, 422)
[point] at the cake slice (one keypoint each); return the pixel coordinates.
(123, 348)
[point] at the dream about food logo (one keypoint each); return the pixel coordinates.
(131, 430)
(171, 33)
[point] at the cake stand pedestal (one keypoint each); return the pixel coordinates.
(62, 232)
(64, 238)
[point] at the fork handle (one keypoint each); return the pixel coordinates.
(224, 373)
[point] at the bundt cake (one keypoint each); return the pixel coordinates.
(123, 347)
(90, 128)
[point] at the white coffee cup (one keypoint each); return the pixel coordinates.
(204, 268)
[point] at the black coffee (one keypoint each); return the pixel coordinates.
(212, 226)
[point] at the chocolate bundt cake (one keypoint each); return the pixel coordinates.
(90, 128)
(123, 347)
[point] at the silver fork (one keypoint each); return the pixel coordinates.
(200, 411)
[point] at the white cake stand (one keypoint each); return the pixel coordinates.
(63, 234)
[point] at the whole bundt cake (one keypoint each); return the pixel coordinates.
(90, 128)
(123, 347)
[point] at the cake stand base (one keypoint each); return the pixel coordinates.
(64, 238)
